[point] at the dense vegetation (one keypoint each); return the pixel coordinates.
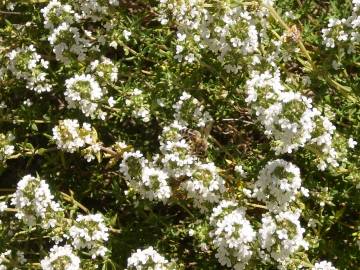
(179, 134)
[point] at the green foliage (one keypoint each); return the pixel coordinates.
(146, 61)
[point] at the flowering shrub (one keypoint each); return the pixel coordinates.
(232, 235)
(61, 258)
(179, 134)
(148, 259)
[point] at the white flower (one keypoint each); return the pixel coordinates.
(34, 202)
(205, 185)
(111, 101)
(352, 143)
(85, 93)
(105, 70)
(323, 265)
(26, 64)
(278, 184)
(70, 137)
(3, 206)
(147, 259)
(89, 232)
(280, 236)
(126, 34)
(153, 184)
(239, 169)
(61, 258)
(232, 235)
(113, 44)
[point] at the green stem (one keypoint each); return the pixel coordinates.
(277, 17)
(16, 121)
(185, 208)
(256, 205)
(32, 153)
(71, 199)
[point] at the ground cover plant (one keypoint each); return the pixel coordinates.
(179, 134)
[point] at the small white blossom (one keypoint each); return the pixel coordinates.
(61, 258)
(232, 235)
(352, 143)
(89, 232)
(85, 93)
(147, 259)
(278, 184)
(71, 137)
(26, 64)
(323, 265)
(280, 236)
(126, 35)
(34, 202)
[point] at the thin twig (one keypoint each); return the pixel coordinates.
(256, 205)
(71, 199)
(277, 17)
(109, 151)
(10, 12)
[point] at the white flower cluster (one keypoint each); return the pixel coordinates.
(3, 259)
(35, 205)
(352, 143)
(6, 148)
(322, 140)
(177, 158)
(84, 92)
(155, 184)
(34, 202)
(3, 207)
(201, 181)
(146, 179)
(280, 236)
(344, 32)
(278, 184)
(60, 258)
(323, 265)
(177, 164)
(26, 64)
(189, 110)
(286, 116)
(9, 258)
(70, 137)
(132, 165)
(204, 185)
(232, 235)
(67, 39)
(94, 10)
(67, 43)
(228, 32)
(240, 171)
(104, 70)
(55, 13)
(147, 259)
(290, 118)
(137, 103)
(89, 232)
